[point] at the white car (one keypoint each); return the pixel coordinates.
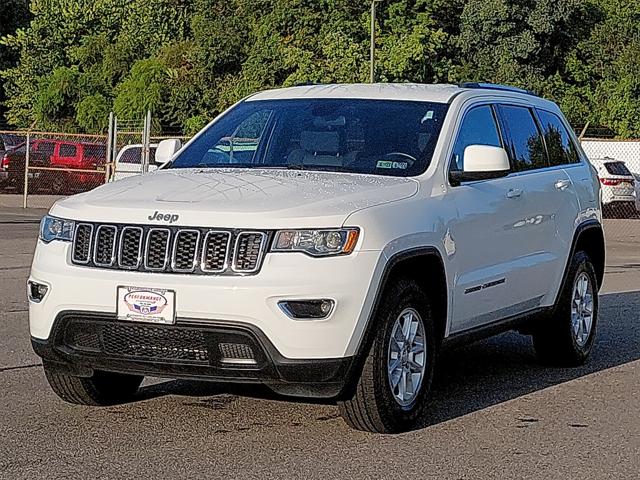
(327, 241)
(618, 186)
(129, 161)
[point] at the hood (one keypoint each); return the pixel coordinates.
(236, 198)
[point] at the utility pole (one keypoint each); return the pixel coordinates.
(372, 75)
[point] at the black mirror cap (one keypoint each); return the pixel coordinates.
(456, 177)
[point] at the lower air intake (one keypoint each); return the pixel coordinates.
(238, 353)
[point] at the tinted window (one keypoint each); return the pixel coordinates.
(46, 148)
(525, 145)
(561, 149)
(617, 168)
(478, 128)
(67, 150)
(133, 155)
(381, 137)
(95, 151)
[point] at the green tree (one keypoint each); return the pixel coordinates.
(14, 14)
(188, 60)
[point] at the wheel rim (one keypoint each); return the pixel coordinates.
(406, 358)
(582, 309)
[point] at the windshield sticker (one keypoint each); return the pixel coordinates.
(427, 116)
(394, 165)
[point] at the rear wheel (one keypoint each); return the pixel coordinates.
(391, 394)
(567, 338)
(101, 389)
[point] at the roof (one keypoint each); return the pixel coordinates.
(439, 93)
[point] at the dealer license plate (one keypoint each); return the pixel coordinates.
(144, 304)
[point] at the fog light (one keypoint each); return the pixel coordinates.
(36, 291)
(310, 309)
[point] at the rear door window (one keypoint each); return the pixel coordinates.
(617, 168)
(478, 128)
(524, 143)
(562, 150)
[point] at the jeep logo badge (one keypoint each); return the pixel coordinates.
(164, 217)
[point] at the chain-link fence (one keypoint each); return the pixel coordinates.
(38, 167)
(52, 165)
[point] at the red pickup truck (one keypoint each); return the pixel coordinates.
(77, 156)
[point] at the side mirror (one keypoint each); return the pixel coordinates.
(167, 149)
(481, 162)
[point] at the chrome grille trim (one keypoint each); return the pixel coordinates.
(205, 244)
(170, 249)
(176, 245)
(260, 255)
(121, 245)
(75, 242)
(166, 252)
(96, 243)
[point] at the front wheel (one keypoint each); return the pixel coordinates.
(567, 338)
(59, 184)
(391, 394)
(101, 389)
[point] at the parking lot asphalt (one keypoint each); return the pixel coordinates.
(495, 413)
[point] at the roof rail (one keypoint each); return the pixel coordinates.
(496, 86)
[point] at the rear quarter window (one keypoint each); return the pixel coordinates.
(562, 150)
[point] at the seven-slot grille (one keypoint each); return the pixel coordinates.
(169, 249)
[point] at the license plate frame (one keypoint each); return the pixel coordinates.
(146, 304)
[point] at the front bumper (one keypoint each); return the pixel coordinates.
(82, 342)
(351, 281)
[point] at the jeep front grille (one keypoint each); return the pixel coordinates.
(169, 249)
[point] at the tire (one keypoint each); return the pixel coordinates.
(59, 184)
(102, 389)
(557, 342)
(374, 406)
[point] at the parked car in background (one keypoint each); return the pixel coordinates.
(77, 156)
(619, 197)
(129, 161)
(14, 160)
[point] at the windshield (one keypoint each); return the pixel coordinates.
(383, 137)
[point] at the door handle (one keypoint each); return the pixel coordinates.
(562, 184)
(514, 193)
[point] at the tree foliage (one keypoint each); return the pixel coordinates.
(187, 60)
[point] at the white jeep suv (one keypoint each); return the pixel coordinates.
(327, 241)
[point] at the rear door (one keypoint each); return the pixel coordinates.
(66, 156)
(550, 199)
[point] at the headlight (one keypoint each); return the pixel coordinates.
(318, 243)
(52, 228)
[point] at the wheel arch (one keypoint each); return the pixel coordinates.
(412, 263)
(589, 238)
